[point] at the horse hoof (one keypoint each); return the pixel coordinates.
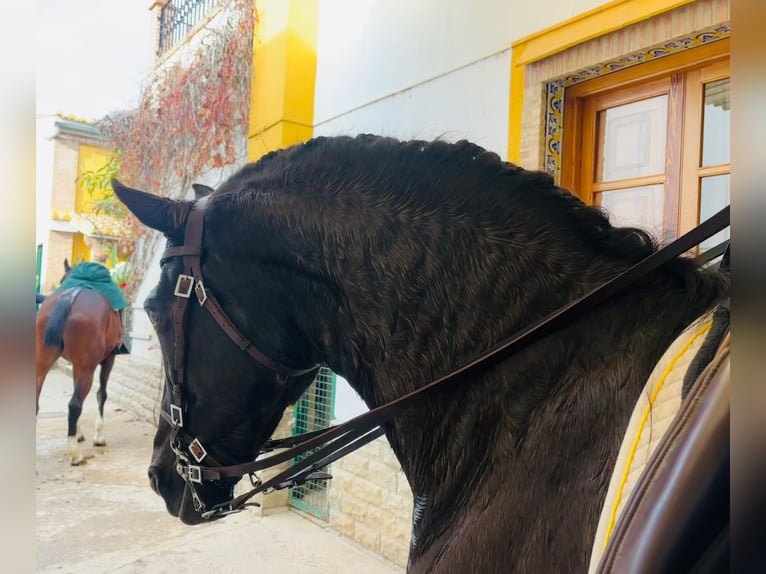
(99, 442)
(73, 451)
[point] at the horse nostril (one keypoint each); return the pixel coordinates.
(154, 479)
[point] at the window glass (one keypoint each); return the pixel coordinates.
(634, 137)
(636, 207)
(716, 125)
(714, 196)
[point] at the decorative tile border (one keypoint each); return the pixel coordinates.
(555, 89)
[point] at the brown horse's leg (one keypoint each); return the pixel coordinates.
(83, 380)
(103, 377)
(45, 357)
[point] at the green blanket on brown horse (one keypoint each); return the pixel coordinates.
(97, 277)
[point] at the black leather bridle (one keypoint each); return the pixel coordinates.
(341, 439)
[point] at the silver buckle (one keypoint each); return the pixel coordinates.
(194, 473)
(177, 415)
(201, 293)
(184, 286)
(197, 450)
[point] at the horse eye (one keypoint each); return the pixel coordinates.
(154, 317)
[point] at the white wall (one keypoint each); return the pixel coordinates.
(44, 174)
(469, 103)
(372, 49)
(143, 338)
(347, 402)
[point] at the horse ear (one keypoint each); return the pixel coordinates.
(160, 213)
(201, 190)
(66, 265)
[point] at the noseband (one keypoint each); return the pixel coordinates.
(339, 440)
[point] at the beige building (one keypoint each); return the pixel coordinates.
(71, 226)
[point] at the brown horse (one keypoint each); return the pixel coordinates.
(80, 325)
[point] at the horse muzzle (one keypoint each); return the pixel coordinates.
(188, 501)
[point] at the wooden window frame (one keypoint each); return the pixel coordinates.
(692, 139)
(682, 77)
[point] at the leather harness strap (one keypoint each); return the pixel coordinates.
(191, 251)
(366, 427)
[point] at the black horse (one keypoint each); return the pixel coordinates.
(395, 263)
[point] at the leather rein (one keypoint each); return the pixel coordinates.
(196, 465)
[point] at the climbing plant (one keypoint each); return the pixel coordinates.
(117, 227)
(97, 184)
(193, 115)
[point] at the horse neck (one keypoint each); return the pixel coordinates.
(528, 445)
(536, 436)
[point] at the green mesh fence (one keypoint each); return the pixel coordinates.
(313, 411)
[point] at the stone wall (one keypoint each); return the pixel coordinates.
(371, 501)
(278, 500)
(64, 184)
(64, 190)
(136, 385)
(59, 248)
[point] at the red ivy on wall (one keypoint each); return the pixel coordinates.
(193, 115)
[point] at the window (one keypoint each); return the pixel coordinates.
(178, 18)
(652, 144)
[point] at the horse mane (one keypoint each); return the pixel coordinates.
(441, 210)
(427, 175)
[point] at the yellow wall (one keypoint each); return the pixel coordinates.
(284, 73)
(598, 22)
(80, 251)
(89, 158)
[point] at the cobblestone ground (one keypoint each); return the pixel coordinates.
(102, 517)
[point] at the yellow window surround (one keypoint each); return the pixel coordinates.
(560, 37)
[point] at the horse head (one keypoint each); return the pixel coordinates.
(226, 401)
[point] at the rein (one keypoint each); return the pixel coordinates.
(356, 432)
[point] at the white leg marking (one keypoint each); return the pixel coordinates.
(80, 436)
(73, 450)
(98, 437)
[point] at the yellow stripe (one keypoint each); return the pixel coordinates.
(284, 75)
(516, 111)
(612, 518)
(591, 24)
